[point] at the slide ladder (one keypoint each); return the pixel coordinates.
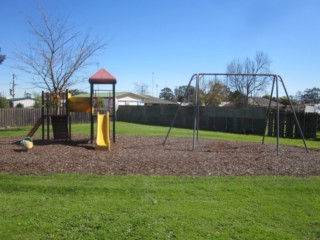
(35, 127)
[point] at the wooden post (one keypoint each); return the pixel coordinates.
(91, 105)
(114, 118)
(42, 114)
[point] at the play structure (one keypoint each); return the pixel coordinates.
(275, 85)
(56, 109)
(105, 78)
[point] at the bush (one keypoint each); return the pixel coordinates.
(4, 103)
(19, 105)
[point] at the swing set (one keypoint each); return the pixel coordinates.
(276, 79)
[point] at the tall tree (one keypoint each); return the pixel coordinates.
(167, 94)
(309, 96)
(249, 85)
(213, 92)
(2, 57)
(180, 91)
(56, 53)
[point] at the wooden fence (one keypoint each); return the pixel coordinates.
(288, 127)
(239, 120)
(19, 117)
(235, 120)
(231, 119)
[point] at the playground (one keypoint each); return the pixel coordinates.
(148, 156)
(145, 155)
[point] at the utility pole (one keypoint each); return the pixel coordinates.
(152, 84)
(157, 95)
(13, 85)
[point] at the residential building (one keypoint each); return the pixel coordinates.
(26, 102)
(130, 99)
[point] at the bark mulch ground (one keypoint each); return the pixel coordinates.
(148, 156)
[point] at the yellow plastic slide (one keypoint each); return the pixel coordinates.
(103, 134)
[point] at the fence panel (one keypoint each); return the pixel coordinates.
(19, 117)
(238, 120)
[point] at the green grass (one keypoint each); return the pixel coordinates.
(141, 207)
(132, 129)
(75, 206)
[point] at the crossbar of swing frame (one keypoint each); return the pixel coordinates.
(276, 79)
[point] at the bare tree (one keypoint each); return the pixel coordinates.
(249, 85)
(57, 53)
(141, 88)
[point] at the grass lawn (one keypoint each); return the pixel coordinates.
(142, 207)
(74, 206)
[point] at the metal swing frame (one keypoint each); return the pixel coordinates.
(275, 83)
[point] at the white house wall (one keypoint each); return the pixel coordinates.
(25, 102)
(130, 101)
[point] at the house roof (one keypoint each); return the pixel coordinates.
(262, 102)
(147, 98)
(19, 99)
(100, 94)
(154, 100)
(256, 101)
(102, 77)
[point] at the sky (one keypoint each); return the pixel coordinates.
(163, 43)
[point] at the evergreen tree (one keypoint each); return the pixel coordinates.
(167, 94)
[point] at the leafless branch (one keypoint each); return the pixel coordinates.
(249, 85)
(57, 53)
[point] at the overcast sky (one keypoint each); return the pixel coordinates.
(169, 40)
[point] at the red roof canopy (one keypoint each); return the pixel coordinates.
(102, 77)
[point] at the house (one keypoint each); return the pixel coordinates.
(254, 102)
(262, 102)
(312, 108)
(130, 99)
(26, 102)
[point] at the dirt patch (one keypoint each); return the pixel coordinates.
(147, 156)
